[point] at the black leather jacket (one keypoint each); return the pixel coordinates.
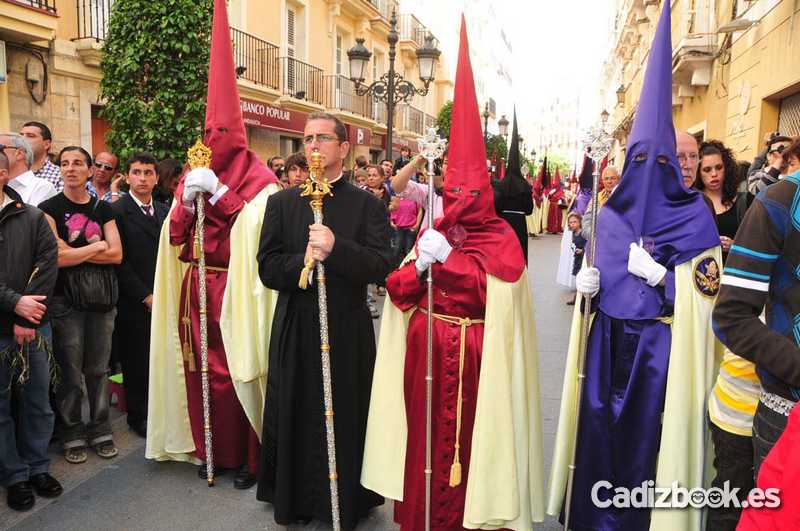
(28, 259)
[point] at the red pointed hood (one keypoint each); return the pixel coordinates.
(235, 165)
(470, 221)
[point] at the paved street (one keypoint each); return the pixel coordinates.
(132, 493)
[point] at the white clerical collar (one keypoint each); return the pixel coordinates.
(141, 205)
(25, 179)
(336, 179)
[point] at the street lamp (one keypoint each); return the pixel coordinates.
(485, 122)
(392, 88)
(502, 125)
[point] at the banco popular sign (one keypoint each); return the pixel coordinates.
(263, 115)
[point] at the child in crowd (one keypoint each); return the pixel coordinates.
(578, 245)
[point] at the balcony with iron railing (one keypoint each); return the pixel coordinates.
(385, 7)
(93, 16)
(44, 5)
(256, 59)
(301, 80)
(411, 29)
(340, 94)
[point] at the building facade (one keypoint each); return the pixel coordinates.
(291, 58)
(736, 69)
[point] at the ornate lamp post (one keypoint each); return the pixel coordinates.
(392, 88)
(502, 126)
(485, 122)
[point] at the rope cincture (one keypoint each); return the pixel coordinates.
(463, 323)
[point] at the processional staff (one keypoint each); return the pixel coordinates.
(431, 147)
(317, 187)
(199, 156)
(597, 145)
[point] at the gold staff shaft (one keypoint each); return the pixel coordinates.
(200, 157)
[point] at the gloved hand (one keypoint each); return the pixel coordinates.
(197, 181)
(432, 247)
(641, 264)
(587, 281)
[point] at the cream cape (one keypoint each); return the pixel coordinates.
(685, 448)
(505, 487)
(247, 309)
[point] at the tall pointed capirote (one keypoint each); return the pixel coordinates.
(235, 165)
(470, 221)
(650, 203)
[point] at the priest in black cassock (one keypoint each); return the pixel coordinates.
(512, 194)
(354, 245)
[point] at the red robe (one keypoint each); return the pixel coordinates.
(780, 470)
(459, 291)
(555, 213)
(234, 441)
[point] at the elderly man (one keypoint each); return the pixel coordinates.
(688, 157)
(610, 179)
(28, 273)
(104, 184)
(40, 138)
(30, 188)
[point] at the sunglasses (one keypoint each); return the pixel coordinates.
(778, 149)
(101, 166)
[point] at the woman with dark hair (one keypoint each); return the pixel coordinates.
(169, 173)
(718, 179)
(89, 246)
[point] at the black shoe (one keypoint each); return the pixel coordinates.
(139, 428)
(20, 496)
(46, 485)
(202, 472)
(244, 479)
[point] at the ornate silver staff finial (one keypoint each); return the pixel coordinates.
(431, 146)
(597, 142)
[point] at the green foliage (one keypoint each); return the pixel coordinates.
(444, 119)
(496, 144)
(155, 74)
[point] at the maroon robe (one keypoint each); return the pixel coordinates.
(555, 214)
(459, 291)
(234, 441)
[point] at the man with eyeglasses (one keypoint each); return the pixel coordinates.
(773, 167)
(31, 189)
(688, 157)
(104, 184)
(353, 243)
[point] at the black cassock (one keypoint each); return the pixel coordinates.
(294, 462)
(512, 202)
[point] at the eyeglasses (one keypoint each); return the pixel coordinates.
(101, 166)
(321, 138)
(682, 157)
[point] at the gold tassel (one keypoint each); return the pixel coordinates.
(305, 273)
(455, 473)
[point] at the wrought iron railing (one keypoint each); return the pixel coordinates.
(256, 59)
(416, 121)
(93, 18)
(378, 110)
(340, 93)
(412, 29)
(385, 7)
(301, 80)
(44, 5)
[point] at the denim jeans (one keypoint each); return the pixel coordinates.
(405, 242)
(768, 426)
(23, 448)
(733, 461)
(82, 345)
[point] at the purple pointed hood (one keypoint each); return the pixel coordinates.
(650, 201)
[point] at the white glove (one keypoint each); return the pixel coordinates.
(197, 181)
(641, 264)
(432, 247)
(587, 281)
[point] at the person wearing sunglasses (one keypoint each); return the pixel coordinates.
(104, 184)
(773, 167)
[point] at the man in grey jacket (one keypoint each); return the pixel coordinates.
(28, 270)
